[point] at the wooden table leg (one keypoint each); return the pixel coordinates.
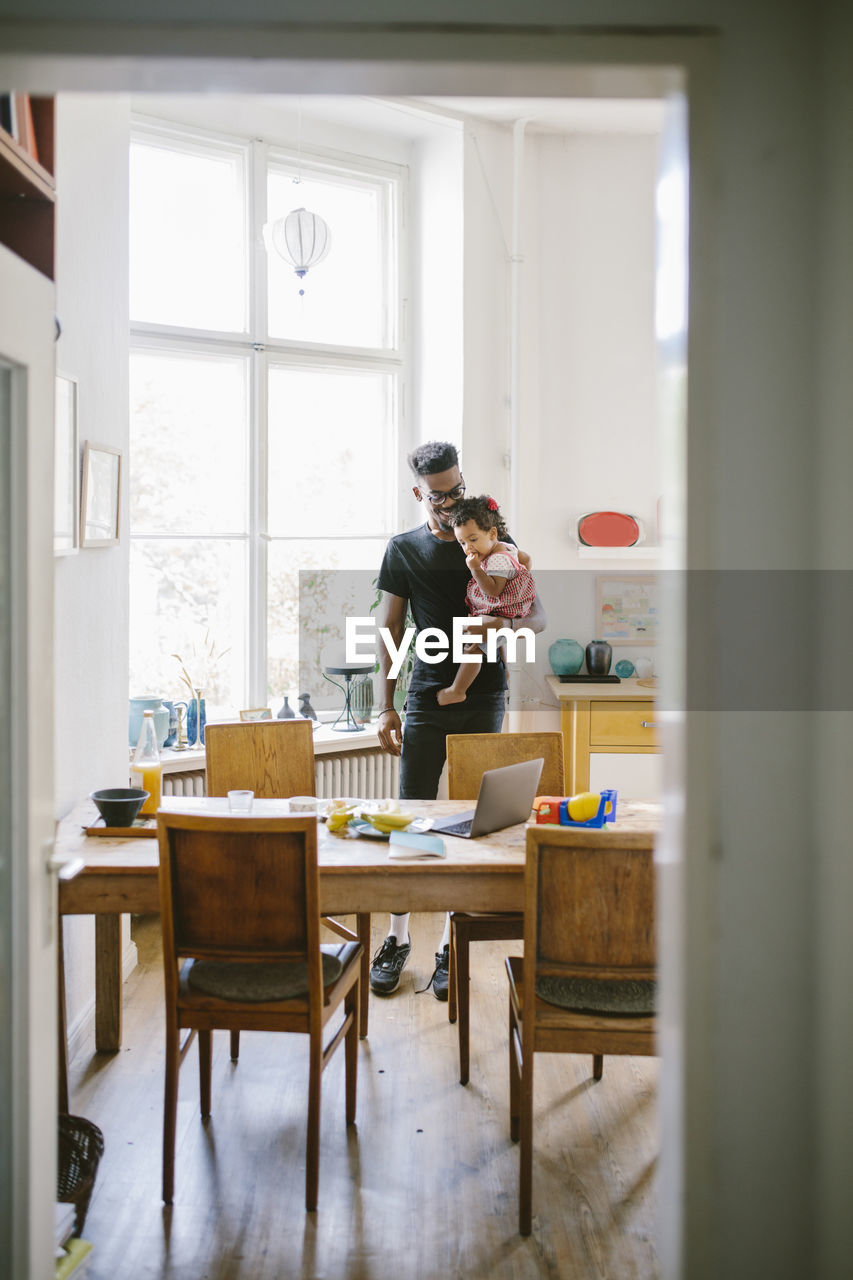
(61, 1027)
(363, 926)
(107, 983)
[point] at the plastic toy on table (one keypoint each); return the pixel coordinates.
(555, 810)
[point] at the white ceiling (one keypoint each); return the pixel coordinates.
(563, 115)
(408, 118)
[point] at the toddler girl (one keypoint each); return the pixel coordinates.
(501, 583)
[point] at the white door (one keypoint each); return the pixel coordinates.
(27, 890)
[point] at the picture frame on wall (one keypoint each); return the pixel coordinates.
(101, 493)
(66, 474)
(626, 608)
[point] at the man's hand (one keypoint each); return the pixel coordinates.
(390, 732)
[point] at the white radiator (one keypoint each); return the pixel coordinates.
(184, 784)
(365, 775)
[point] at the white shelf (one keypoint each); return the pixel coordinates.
(642, 552)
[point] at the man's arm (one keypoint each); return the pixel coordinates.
(390, 728)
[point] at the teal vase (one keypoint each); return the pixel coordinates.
(566, 657)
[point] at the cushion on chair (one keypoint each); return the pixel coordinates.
(625, 997)
(256, 983)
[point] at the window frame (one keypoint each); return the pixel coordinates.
(263, 351)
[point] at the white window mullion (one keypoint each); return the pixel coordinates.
(257, 648)
(257, 248)
(257, 538)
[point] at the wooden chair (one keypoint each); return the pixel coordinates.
(469, 755)
(586, 982)
(275, 759)
(241, 950)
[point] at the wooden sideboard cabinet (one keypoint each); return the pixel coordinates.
(611, 719)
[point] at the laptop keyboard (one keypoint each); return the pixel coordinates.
(458, 828)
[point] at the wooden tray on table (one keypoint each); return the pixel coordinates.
(142, 828)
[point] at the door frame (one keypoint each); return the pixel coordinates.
(532, 63)
(29, 914)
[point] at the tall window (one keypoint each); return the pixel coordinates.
(265, 422)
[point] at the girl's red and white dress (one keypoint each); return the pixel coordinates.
(516, 599)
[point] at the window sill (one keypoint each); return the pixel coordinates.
(327, 741)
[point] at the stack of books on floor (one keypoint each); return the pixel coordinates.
(71, 1252)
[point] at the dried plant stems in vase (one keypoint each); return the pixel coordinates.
(203, 661)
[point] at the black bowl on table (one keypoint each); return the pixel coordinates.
(119, 806)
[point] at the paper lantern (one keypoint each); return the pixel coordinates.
(303, 239)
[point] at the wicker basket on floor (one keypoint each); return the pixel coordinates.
(81, 1145)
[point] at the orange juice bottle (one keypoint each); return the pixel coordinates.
(146, 769)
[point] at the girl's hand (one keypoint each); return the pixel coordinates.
(473, 560)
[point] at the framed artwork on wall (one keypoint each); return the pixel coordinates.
(626, 608)
(66, 475)
(99, 503)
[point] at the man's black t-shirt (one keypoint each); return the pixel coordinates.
(432, 575)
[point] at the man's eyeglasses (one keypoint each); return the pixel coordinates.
(437, 499)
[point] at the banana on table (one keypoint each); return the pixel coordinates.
(385, 820)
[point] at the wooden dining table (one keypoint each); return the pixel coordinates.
(119, 876)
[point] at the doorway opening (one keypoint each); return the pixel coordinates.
(524, 495)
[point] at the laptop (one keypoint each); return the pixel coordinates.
(506, 797)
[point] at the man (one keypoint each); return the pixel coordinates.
(424, 570)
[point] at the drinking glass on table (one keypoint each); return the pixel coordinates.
(240, 801)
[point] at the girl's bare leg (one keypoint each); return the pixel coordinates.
(467, 672)
(462, 681)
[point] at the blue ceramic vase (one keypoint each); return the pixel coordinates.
(566, 657)
(161, 719)
(192, 720)
(172, 736)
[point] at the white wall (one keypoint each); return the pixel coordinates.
(596, 363)
(91, 597)
(435, 299)
(586, 358)
(834, 730)
(488, 237)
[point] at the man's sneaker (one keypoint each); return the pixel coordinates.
(388, 965)
(440, 980)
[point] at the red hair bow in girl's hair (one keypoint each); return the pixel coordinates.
(492, 505)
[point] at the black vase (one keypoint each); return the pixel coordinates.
(599, 655)
(285, 711)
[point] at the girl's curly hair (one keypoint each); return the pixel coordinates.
(483, 510)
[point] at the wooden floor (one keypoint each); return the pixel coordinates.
(424, 1186)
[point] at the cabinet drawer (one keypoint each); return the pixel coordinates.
(622, 724)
